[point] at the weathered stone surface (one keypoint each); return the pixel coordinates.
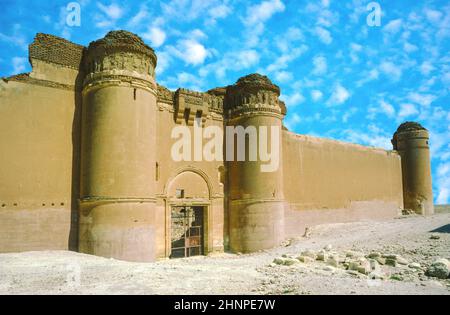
(353, 254)
(374, 265)
(309, 253)
(377, 275)
(353, 265)
(322, 256)
(381, 260)
(364, 267)
(329, 268)
(401, 260)
(396, 277)
(391, 262)
(332, 261)
(415, 266)
(374, 255)
(305, 259)
(290, 261)
(279, 261)
(439, 269)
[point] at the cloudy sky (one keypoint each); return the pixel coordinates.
(340, 77)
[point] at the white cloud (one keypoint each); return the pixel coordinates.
(382, 107)
(408, 47)
(139, 17)
(372, 75)
(324, 35)
(355, 47)
(316, 95)
(163, 62)
(156, 36)
(247, 58)
(19, 64)
(352, 111)
(283, 61)
(407, 110)
(443, 183)
(387, 109)
(421, 99)
(287, 42)
(16, 38)
(446, 78)
(262, 12)
(191, 51)
(113, 11)
(292, 120)
(283, 76)
(324, 16)
(219, 12)
(339, 96)
(234, 60)
(108, 16)
(375, 137)
(393, 26)
(197, 34)
(433, 16)
(391, 70)
(426, 68)
(293, 99)
(320, 65)
(185, 9)
(186, 80)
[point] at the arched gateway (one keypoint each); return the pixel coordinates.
(188, 196)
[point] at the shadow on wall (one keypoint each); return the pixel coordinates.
(76, 153)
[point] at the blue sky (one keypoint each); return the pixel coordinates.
(340, 77)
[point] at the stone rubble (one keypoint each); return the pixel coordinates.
(374, 266)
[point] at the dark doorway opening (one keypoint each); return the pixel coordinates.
(187, 229)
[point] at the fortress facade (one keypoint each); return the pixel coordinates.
(86, 164)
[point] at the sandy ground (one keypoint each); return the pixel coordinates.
(61, 272)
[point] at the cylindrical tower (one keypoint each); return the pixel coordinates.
(411, 142)
(256, 201)
(118, 157)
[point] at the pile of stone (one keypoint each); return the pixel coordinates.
(375, 265)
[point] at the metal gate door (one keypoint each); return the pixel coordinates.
(186, 231)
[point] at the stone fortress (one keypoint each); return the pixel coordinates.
(85, 164)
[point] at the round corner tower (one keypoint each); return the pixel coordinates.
(411, 142)
(118, 158)
(256, 200)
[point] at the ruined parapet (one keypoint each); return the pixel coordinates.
(56, 50)
(120, 56)
(256, 199)
(215, 99)
(411, 141)
(165, 95)
(55, 63)
(118, 156)
(189, 106)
